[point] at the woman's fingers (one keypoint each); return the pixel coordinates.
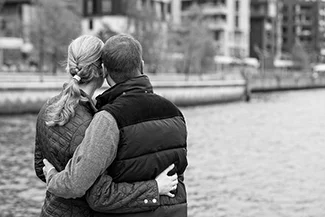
(46, 166)
(174, 183)
(174, 177)
(44, 171)
(46, 162)
(170, 195)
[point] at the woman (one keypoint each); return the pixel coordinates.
(63, 120)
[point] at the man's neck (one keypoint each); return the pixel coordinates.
(88, 89)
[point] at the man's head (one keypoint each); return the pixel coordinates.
(122, 57)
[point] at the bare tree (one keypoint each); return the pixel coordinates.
(145, 25)
(55, 27)
(194, 40)
(106, 32)
(300, 56)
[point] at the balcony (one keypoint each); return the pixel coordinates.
(258, 13)
(211, 9)
(216, 25)
(306, 23)
(305, 33)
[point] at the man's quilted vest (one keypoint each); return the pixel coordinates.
(57, 144)
(152, 136)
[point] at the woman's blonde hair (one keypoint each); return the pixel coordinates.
(84, 65)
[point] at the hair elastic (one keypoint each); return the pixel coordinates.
(77, 78)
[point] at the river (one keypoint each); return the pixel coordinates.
(263, 158)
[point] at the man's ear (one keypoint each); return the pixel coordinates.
(110, 81)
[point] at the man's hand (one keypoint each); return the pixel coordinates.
(48, 170)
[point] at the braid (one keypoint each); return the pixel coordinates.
(82, 68)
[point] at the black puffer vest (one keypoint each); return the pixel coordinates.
(152, 136)
(57, 144)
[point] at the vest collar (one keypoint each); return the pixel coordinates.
(139, 84)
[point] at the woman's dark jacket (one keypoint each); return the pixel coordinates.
(57, 144)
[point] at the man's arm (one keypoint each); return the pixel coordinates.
(91, 158)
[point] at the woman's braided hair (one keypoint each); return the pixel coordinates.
(84, 65)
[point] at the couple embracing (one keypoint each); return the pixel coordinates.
(123, 156)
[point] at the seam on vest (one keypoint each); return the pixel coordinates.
(154, 119)
(142, 155)
(157, 119)
(175, 204)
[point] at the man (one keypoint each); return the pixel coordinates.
(148, 131)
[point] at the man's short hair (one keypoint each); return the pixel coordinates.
(122, 57)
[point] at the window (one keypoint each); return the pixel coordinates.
(3, 24)
(238, 37)
(186, 5)
(106, 6)
(169, 8)
(237, 5)
(237, 21)
(216, 35)
(91, 24)
(284, 9)
(162, 11)
(284, 30)
(90, 7)
(143, 3)
(285, 19)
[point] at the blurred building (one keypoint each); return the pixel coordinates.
(14, 30)
(266, 34)
(304, 20)
(98, 14)
(229, 22)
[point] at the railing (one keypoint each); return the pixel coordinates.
(210, 9)
(216, 25)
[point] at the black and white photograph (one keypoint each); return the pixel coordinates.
(162, 108)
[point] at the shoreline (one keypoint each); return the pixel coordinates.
(21, 96)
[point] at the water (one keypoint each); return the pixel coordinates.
(264, 158)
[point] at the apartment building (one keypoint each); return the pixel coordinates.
(265, 35)
(112, 13)
(14, 30)
(228, 20)
(304, 20)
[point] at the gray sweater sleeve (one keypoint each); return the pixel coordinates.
(96, 152)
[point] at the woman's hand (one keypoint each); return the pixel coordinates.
(48, 170)
(167, 183)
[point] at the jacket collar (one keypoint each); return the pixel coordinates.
(139, 84)
(87, 102)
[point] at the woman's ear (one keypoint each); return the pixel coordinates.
(105, 73)
(142, 67)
